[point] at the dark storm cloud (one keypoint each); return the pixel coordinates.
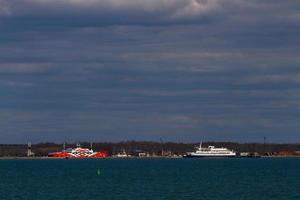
(35, 13)
(44, 14)
(181, 70)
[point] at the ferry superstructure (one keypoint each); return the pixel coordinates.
(211, 151)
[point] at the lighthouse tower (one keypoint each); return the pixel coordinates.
(29, 151)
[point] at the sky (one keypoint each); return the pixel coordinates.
(176, 70)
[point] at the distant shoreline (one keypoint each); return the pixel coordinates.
(154, 149)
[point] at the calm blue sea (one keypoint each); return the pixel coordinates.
(206, 179)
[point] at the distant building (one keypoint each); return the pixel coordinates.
(244, 154)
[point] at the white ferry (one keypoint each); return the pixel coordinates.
(211, 151)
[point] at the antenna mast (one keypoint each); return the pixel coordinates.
(265, 144)
(64, 147)
(162, 147)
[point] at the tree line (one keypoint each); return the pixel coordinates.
(153, 148)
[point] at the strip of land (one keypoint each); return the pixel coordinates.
(150, 149)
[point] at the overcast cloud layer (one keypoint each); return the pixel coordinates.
(180, 70)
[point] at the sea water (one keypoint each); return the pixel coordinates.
(203, 179)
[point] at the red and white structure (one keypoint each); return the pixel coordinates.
(78, 152)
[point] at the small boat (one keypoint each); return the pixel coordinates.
(210, 151)
(122, 154)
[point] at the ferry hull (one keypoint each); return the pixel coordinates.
(209, 156)
(102, 154)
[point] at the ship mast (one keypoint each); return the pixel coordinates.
(64, 147)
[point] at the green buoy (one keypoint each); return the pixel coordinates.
(98, 172)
